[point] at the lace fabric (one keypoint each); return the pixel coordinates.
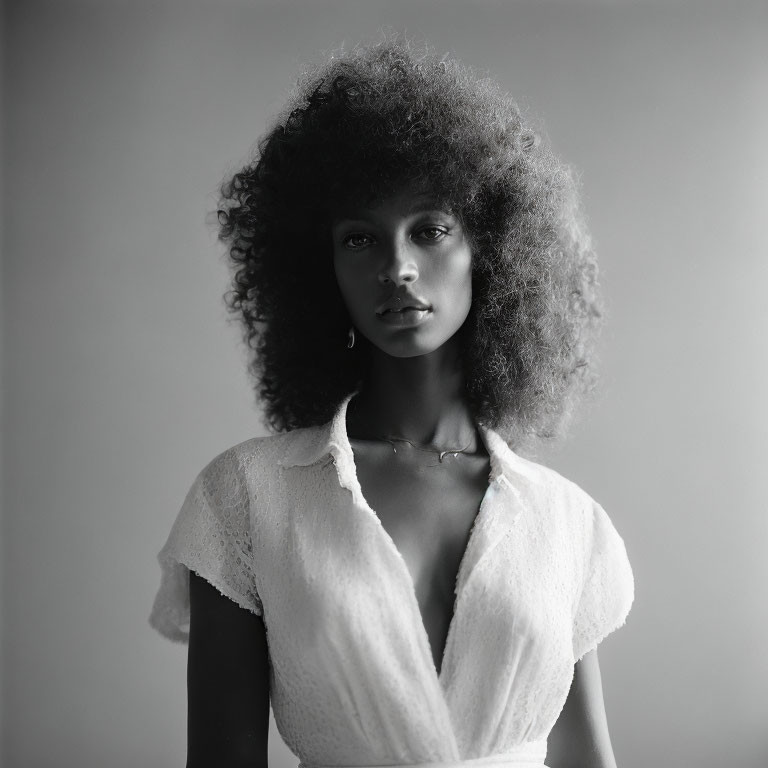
(608, 588)
(212, 537)
(279, 525)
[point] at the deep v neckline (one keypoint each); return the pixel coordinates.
(481, 513)
(460, 579)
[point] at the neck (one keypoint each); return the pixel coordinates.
(420, 398)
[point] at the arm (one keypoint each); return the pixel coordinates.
(227, 682)
(579, 738)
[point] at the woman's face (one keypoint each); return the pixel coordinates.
(404, 268)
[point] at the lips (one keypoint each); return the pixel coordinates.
(398, 304)
(409, 317)
(403, 309)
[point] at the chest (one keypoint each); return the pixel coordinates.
(428, 510)
(355, 634)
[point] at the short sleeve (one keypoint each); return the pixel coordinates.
(608, 588)
(212, 537)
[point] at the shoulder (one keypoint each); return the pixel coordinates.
(259, 458)
(589, 530)
(550, 486)
(562, 507)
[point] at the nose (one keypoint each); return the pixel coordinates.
(399, 266)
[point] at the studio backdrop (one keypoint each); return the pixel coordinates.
(122, 377)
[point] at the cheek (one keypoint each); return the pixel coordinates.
(351, 279)
(457, 279)
(344, 278)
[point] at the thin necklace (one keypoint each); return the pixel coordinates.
(391, 440)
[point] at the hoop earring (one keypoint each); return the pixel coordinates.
(351, 337)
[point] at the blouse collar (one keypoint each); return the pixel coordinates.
(314, 444)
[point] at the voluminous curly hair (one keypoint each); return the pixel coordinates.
(358, 128)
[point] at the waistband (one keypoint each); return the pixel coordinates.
(530, 755)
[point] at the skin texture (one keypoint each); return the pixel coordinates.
(407, 243)
(428, 509)
(579, 738)
(414, 388)
(227, 682)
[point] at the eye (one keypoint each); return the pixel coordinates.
(356, 240)
(432, 234)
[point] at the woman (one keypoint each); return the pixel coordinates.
(419, 291)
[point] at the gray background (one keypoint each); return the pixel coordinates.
(121, 378)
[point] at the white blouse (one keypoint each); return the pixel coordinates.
(279, 524)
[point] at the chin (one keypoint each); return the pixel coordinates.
(405, 344)
(407, 351)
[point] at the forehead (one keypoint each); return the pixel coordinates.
(405, 202)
